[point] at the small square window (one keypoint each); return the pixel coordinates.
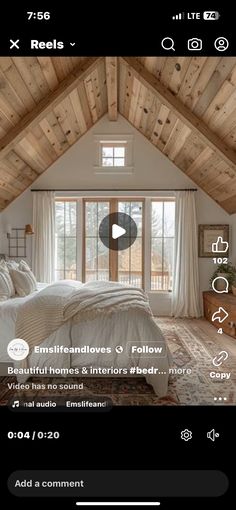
(113, 154)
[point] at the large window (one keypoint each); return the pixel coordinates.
(162, 244)
(66, 236)
(80, 254)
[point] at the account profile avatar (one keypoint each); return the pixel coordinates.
(18, 349)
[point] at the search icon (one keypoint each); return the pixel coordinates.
(168, 43)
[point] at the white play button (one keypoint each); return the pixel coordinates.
(117, 231)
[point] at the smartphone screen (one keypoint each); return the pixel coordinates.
(117, 257)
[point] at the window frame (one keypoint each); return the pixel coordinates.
(115, 140)
(146, 233)
(113, 255)
(84, 200)
(113, 146)
(163, 200)
(65, 270)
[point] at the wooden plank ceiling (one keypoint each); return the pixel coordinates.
(46, 104)
(186, 107)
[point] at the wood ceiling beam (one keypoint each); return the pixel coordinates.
(46, 105)
(183, 113)
(112, 86)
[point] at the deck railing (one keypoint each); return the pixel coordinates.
(159, 280)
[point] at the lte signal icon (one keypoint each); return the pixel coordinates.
(178, 16)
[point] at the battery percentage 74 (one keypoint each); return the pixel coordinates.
(211, 15)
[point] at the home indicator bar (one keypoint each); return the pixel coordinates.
(118, 503)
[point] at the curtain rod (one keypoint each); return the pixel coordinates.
(115, 190)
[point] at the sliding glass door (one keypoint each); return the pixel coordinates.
(100, 263)
(96, 255)
(80, 254)
(130, 261)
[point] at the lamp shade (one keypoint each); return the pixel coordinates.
(29, 231)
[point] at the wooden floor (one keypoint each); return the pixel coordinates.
(223, 340)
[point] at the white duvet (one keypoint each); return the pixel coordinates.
(104, 331)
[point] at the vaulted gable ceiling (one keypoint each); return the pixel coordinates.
(184, 106)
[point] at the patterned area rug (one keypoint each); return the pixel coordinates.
(193, 344)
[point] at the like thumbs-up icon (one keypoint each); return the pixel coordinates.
(220, 246)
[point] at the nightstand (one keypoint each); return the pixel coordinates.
(212, 301)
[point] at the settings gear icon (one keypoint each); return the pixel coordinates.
(186, 435)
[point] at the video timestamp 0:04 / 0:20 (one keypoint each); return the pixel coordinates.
(34, 434)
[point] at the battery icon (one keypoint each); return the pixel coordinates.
(211, 15)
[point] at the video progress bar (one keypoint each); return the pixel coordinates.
(118, 503)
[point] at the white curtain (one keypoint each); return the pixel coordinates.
(44, 238)
(185, 295)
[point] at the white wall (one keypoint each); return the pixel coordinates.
(17, 214)
(75, 168)
(151, 170)
(209, 212)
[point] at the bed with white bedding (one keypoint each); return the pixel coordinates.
(97, 315)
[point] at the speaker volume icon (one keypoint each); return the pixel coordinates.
(212, 435)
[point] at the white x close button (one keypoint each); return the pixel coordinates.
(14, 44)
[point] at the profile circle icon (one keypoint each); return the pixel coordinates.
(18, 349)
(221, 44)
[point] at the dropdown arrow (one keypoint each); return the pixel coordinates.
(72, 43)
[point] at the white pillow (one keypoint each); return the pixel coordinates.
(24, 282)
(23, 266)
(6, 286)
(12, 264)
(4, 269)
(3, 265)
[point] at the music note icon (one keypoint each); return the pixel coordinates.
(16, 403)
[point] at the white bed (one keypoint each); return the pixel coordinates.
(108, 331)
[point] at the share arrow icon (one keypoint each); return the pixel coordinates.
(220, 315)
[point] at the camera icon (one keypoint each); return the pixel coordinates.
(194, 44)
